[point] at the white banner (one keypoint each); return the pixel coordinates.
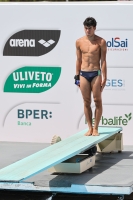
(38, 59)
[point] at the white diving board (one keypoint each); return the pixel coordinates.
(54, 154)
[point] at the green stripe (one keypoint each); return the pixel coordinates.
(99, 72)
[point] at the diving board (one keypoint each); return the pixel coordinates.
(54, 154)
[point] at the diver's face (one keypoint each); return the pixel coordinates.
(89, 30)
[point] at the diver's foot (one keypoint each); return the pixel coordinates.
(90, 131)
(95, 132)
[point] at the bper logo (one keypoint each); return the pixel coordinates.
(32, 114)
(31, 42)
(35, 114)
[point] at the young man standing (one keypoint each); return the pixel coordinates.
(91, 72)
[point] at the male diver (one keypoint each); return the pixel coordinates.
(91, 72)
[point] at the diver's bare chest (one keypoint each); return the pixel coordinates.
(90, 48)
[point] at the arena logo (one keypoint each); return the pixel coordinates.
(116, 44)
(115, 121)
(21, 43)
(115, 84)
(31, 42)
(28, 114)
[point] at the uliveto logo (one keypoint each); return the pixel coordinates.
(31, 42)
(115, 121)
(116, 44)
(32, 79)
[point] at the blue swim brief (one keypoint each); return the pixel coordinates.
(89, 75)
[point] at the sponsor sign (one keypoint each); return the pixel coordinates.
(117, 44)
(28, 114)
(114, 121)
(31, 42)
(32, 79)
(115, 84)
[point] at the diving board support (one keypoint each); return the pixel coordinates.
(111, 144)
(76, 164)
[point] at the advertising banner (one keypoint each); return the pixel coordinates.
(38, 62)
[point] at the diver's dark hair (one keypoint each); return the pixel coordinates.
(90, 21)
